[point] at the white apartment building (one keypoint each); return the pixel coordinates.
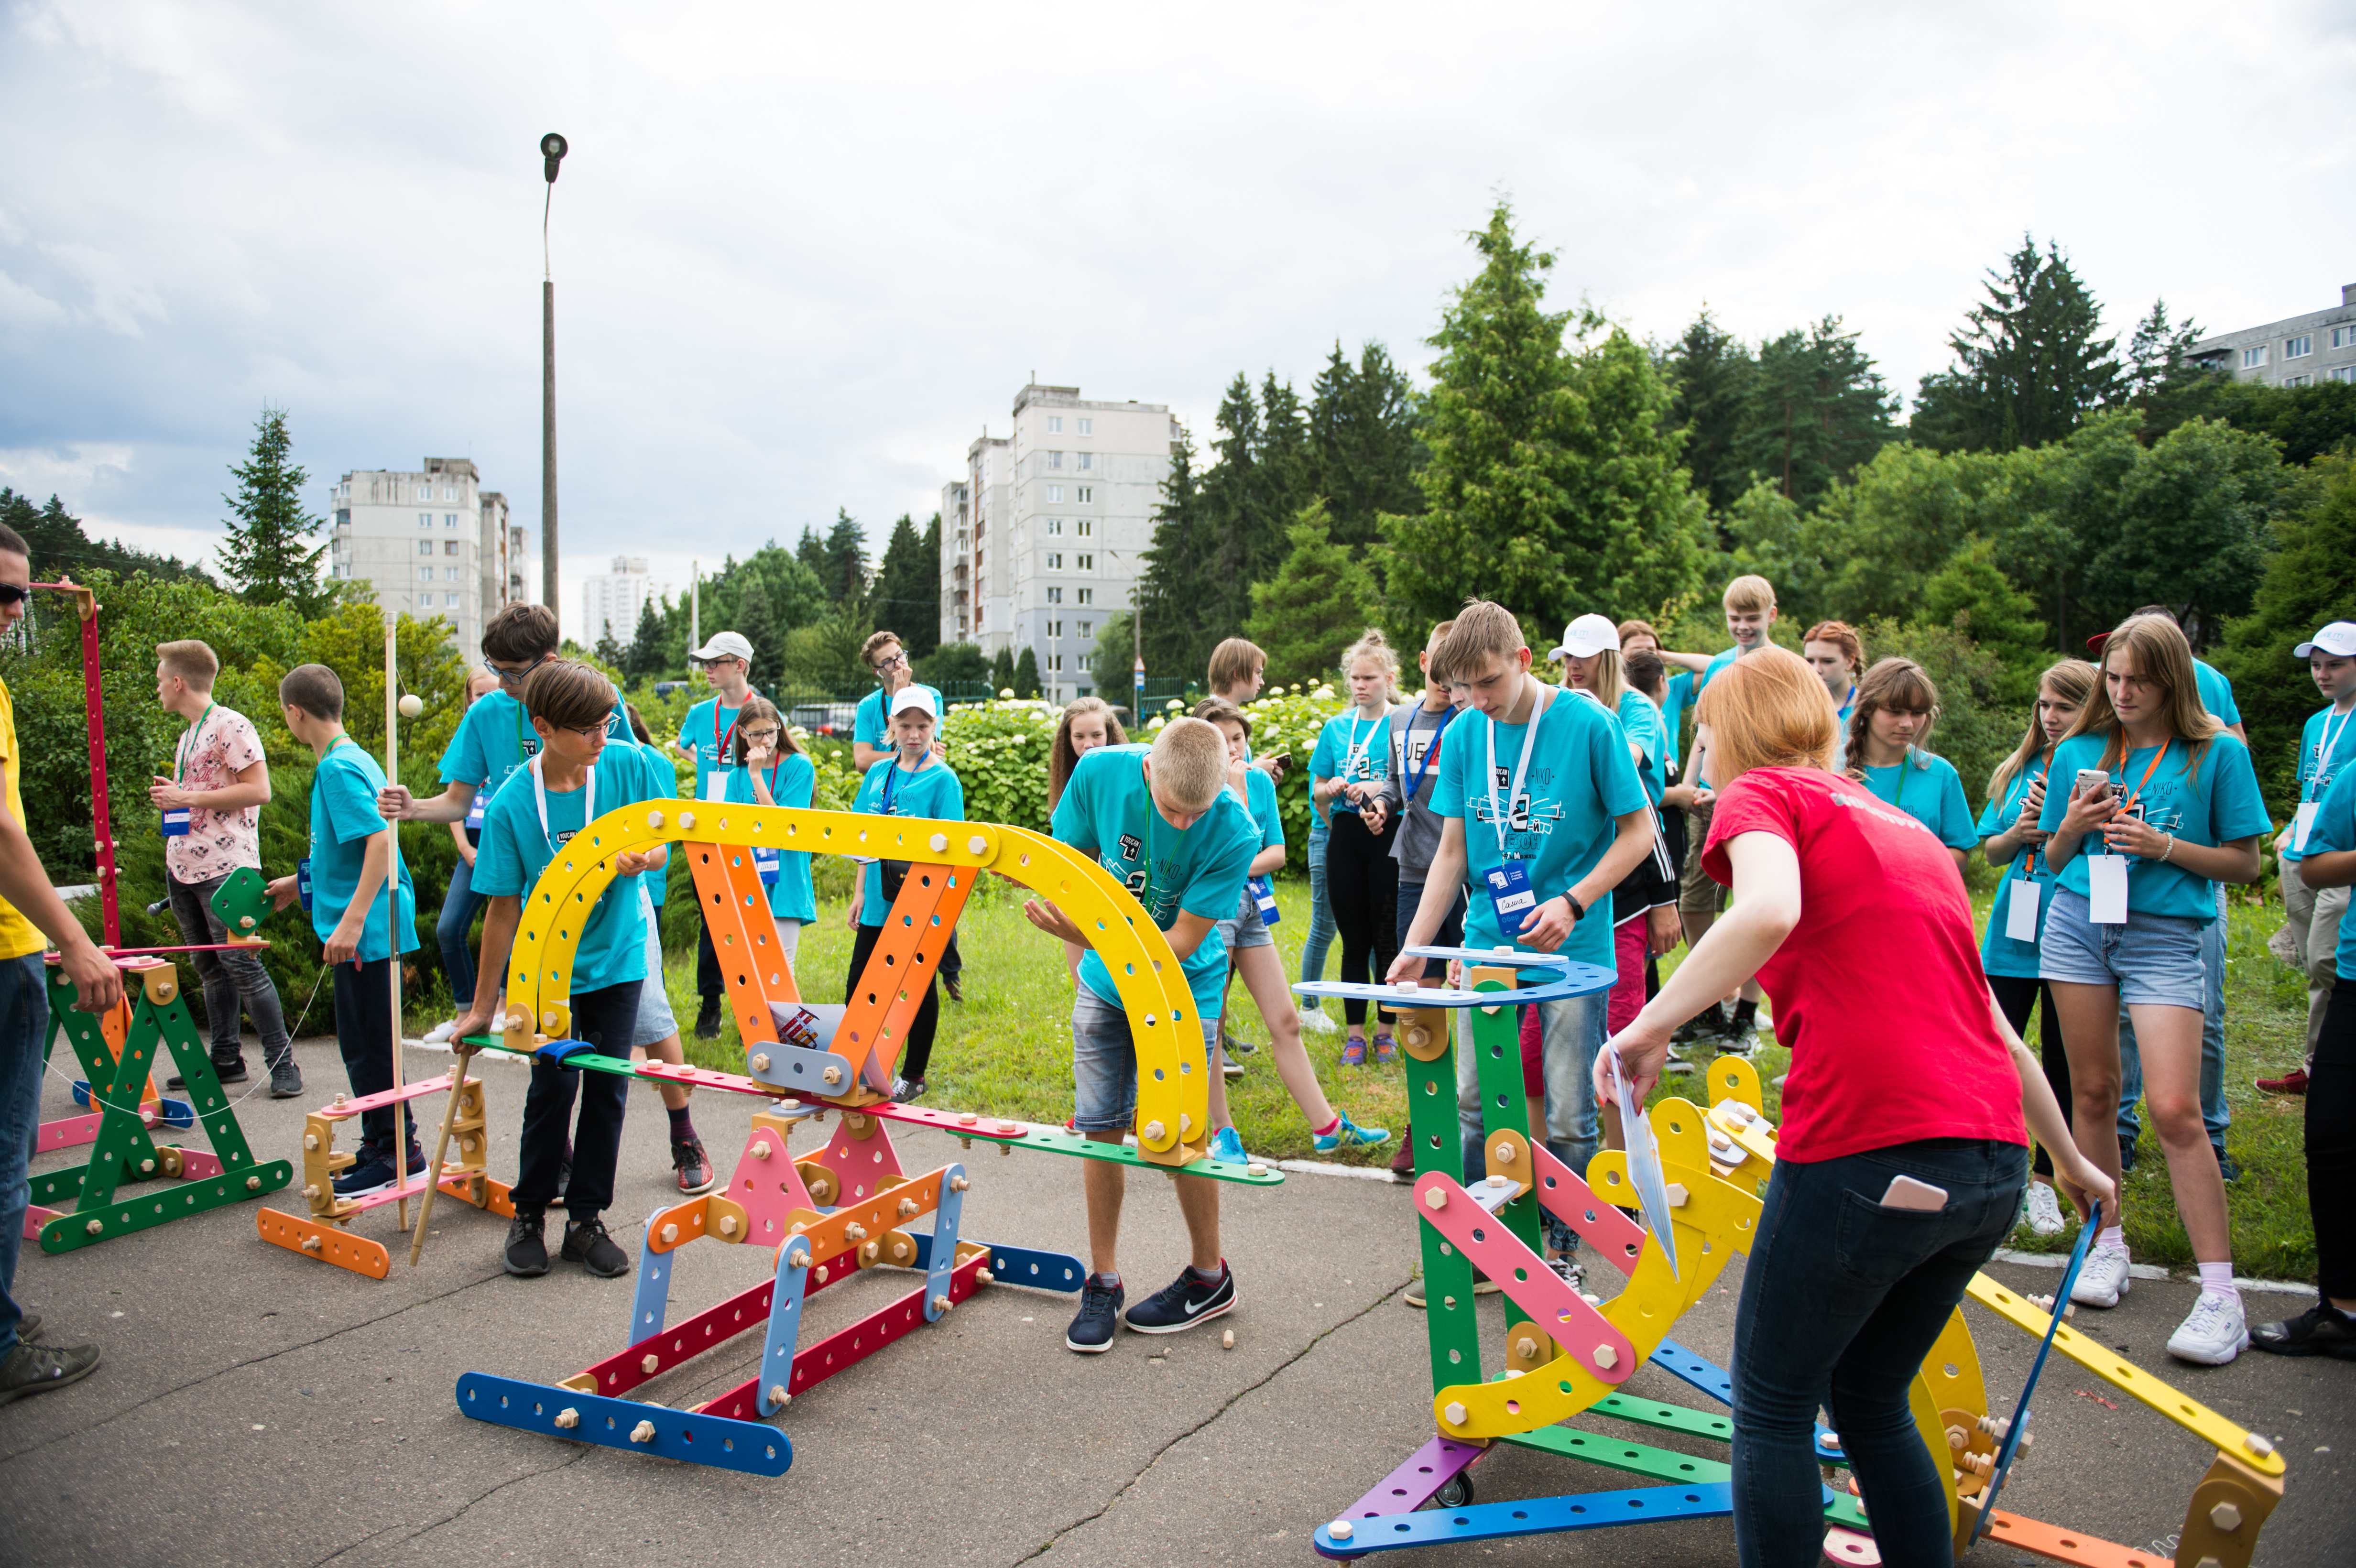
(1042, 536)
(431, 541)
(2318, 346)
(611, 601)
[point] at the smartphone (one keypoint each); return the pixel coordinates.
(2090, 779)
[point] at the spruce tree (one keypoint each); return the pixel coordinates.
(264, 553)
(845, 577)
(1318, 603)
(1814, 410)
(1710, 370)
(1001, 672)
(1027, 673)
(1364, 449)
(645, 656)
(2029, 368)
(1177, 597)
(907, 596)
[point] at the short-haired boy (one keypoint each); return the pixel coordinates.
(872, 740)
(1161, 820)
(353, 853)
(212, 807)
(562, 791)
(708, 734)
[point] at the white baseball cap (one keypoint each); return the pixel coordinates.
(725, 645)
(913, 697)
(1586, 637)
(2337, 639)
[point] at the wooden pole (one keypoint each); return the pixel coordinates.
(392, 907)
(466, 1055)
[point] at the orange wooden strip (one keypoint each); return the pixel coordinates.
(2067, 1546)
(333, 1245)
(892, 988)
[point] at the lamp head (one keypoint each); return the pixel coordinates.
(551, 153)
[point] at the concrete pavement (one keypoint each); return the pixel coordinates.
(260, 1409)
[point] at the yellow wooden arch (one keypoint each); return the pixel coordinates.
(1173, 1089)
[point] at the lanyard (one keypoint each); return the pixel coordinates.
(540, 798)
(1407, 749)
(1357, 753)
(2136, 793)
(2322, 752)
(719, 740)
(188, 746)
(889, 774)
(2029, 860)
(1899, 800)
(1521, 768)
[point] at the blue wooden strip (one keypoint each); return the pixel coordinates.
(651, 1300)
(1533, 1516)
(941, 1258)
(681, 1434)
(1707, 1376)
(785, 1323)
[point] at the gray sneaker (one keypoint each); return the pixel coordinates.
(286, 1077)
(38, 1369)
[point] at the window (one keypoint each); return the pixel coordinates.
(2298, 348)
(1088, 562)
(425, 520)
(1054, 460)
(1086, 527)
(961, 544)
(1054, 628)
(425, 574)
(449, 519)
(2345, 373)
(1087, 427)
(1055, 492)
(1087, 459)
(1054, 527)
(1083, 627)
(1055, 563)
(449, 547)
(1055, 424)
(455, 601)
(2344, 337)
(1087, 493)
(1054, 664)
(2254, 357)
(1055, 596)
(425, 546)
(2298, 381)
(1088, 595)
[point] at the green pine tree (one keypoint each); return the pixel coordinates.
(1027, 673)
(2029, 366)
(755, 617)
(1317, 604)
(645, 654)
(845, 577)
(907, 596)
(1001, 672)
(1178, 601)
(264, 553)
(1711, 371)
(1814, 410)
(1364, 448)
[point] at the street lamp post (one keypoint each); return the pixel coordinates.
(551, 153)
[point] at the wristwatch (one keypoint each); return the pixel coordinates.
(1578, 910)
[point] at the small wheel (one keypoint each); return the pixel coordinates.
(1457, 1493)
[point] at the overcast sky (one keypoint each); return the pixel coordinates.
(804, 255)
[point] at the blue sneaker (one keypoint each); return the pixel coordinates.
(1349, 1134)
(1091, 1332)
(1183, 1303)
(1226, 1146)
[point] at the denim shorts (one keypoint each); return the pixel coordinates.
(1104, 1063)
(655, 1021)
(2153, 959)
(1246, 930)
(1451, 930)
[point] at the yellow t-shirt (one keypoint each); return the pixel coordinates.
(18, 936)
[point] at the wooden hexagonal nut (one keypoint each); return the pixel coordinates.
(644, 1432)
(2225, 1516)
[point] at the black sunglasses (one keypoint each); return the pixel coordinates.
(12, 594)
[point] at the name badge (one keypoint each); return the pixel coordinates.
(2301, 826)
(303, 882)
(2021, 910)
(715, 786)
(1264, 899)
(2106, 889)
(765, 861)
(176, 822)
(474, 808)
(1510, 893)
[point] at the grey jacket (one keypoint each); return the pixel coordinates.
(1418, 839)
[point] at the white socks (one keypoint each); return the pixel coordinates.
(2113, 1238)
(2217, 1279)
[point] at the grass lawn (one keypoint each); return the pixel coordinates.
(1006, 1049)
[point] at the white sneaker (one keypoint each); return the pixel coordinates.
(2213, 1332)
(2044, 1210)
(440, 1033)
(1316, 1019)
(2103, 1279)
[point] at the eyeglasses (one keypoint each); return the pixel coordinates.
(891, 661)
(760, 734)
(586, 731)
(12, 594)
(508, 677)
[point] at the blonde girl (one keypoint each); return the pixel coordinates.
(1346, 774)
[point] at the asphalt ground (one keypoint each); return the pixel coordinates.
(259, 1408)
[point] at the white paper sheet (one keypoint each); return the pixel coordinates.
(2106, 889)
(2020, 900)
(2302, 825)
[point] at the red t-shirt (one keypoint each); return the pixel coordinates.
(1879, 989)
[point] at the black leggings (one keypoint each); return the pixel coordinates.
(919, 1051)
(2331, 1145)
(2019, 997)
(1362, 884)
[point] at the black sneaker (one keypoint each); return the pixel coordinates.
(286, 1077)
(1091, 1332)
(907, 1089)
(1183, 1303)
(1708, 1024)
(586, 1243)
(527, 1252)
(707, 1022)
(227, 1072)
(693, 1166)
(372, 1173)
(2126, 1155)
(2321, 1330)
(2227, 1166)
(38, 1369)
(1236, 1045)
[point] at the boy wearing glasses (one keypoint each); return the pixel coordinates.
(708, 734)
(562, 791)
(872, 741)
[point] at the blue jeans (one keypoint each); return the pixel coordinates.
(2214, 1112)
(1321, 930)
(459, 907)
(1841, 1300)
(24, 1028)
(1573, 1038)
(1104, 1063)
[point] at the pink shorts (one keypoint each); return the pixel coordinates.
(1627, 998)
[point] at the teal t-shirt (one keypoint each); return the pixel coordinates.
(792, 781)
(2335, 829)
(1580, 779)
(516, 849)
(888, 790)
(1263, 809)
(1640, 720)
(1717, 663)
(496, 738)
(1108, 810)
(1999, 953)
(1926, 788)
(1677, 695)
(873, 725)
(2216, 692)
(1350, 748)
(2216, 806)
(2324, 748)
(344, 817)
(660, 781)
(710, 731)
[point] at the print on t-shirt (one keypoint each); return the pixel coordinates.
(1521, 819)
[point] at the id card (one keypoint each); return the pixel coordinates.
(1510, 894)
(303, 882)
(474, 809)
(2021, 910)
(715, 787)
(176, 822)
(2301, 826)
(765, 861)
(2106, 889)
(1264, 899)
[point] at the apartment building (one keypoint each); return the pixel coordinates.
(611, 602)
(431, 541)
(1041, 537)
(2298, 352)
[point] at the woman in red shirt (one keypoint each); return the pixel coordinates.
(1902, 1151)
